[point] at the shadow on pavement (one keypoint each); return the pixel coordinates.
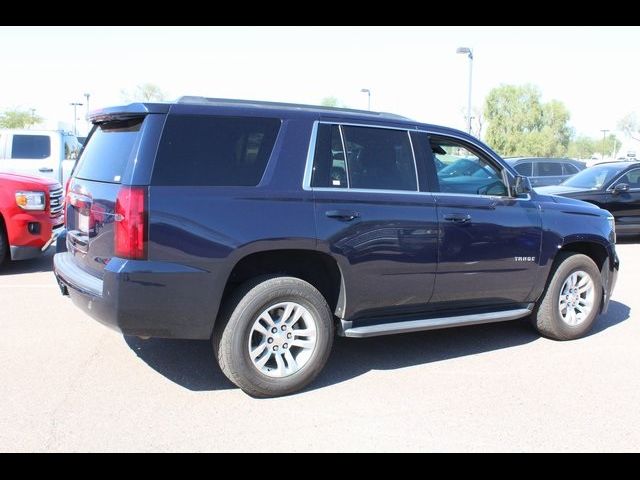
(191, 363)
(34, 265)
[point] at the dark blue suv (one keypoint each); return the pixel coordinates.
(269, 227)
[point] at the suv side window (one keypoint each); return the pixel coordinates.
(204, 150)
(466, 172)
(548, 169)
(329, 165)
(31, 146)
(524, 169)
(379, 158)
(569, 169)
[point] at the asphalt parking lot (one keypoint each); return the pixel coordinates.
(70, 384)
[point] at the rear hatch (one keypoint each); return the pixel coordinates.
(97, 202)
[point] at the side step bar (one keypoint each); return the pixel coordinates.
(390, 328)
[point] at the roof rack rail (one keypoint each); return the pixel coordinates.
(197, 100)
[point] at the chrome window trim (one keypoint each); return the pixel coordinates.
(308, 171)
(344, 153)
(415, 162)
(308, 168)
(306, 182)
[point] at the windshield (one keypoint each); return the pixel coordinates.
(462, 167)
(594, 178)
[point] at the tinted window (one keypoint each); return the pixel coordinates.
(570, 169)
(329, 166)
(466, 172)
(108, 150)
(379, 159)
(631, 178)
(523, 169)
(31, 146)
(214, 151)
(549, 169)
(595, 177)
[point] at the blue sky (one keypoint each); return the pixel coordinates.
(594, 71)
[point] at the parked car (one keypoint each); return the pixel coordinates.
(267, 227)
(38, 153)
(613, 186)
(546, 171)
(30, 216)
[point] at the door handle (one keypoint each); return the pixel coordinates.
(457, 217)
(45, 170)
(342, 214)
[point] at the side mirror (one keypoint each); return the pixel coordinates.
(621, 188)
(521, 186)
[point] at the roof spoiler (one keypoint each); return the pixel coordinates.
(127, 111)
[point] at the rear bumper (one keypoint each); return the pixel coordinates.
(143, 298)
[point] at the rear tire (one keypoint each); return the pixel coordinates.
(273, 336)
(571, 302)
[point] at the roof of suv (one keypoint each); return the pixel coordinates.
(234, 104)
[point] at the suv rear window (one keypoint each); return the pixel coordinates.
(30, 146)
(105, 157)
(201, 150)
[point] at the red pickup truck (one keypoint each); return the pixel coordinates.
(31, 215)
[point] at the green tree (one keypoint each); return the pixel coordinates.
(581, 147)
(17, 118)
(145, 92)
(585, 147)
(520, 124)
(331, 101)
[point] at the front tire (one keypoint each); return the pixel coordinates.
(571, 302)
(4, 244)
(273, 336)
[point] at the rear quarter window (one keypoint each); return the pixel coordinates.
(202, 150)
(108, 150)
(31, 146)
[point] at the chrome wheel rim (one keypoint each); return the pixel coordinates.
(576, 298)
(282, 339)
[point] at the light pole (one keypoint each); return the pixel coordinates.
(604, 138)
(469, 53)
(75, 116)
(33, 116)
(87, 95)
(368, 92)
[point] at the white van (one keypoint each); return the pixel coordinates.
(39, 153)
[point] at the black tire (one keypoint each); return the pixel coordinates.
(546, 318)
(233, 329)
(4, 246)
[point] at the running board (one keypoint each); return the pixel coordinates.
(391, 328)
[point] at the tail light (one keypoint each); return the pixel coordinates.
(131, 223)
(66, 193)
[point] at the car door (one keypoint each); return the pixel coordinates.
(489, 241)
(373, 219)
(625, 206)
(33, 154)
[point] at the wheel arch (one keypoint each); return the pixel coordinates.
(317, 268)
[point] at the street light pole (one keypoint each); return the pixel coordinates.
(368, 92)
(87, 95)
(604, 138)
(75, 116)
(469, 52)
